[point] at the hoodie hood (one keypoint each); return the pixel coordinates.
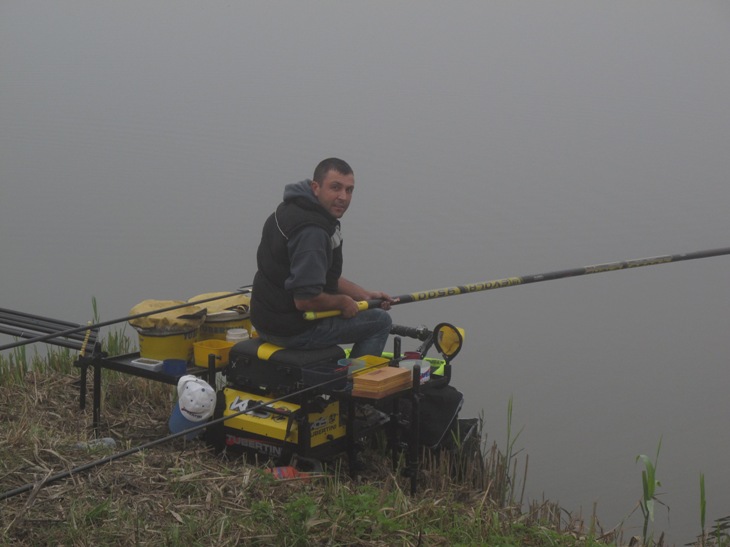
(301, 189)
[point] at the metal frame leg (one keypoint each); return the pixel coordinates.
(350, 436)
(211, 370)
(82, 385)
(414, 440)
(97, 398)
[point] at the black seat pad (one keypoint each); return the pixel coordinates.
(284, 356)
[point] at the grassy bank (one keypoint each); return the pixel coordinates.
(181, 493)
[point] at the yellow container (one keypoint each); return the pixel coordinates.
(165, 345)
(371, 362)
(219, 348)
(216, 325)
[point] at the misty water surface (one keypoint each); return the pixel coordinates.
(142, 145)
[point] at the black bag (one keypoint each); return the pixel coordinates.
(438, 416)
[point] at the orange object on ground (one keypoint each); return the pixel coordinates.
(287, 472)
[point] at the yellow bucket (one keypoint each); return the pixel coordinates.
(216, 325)
(161, 346)
(219, 348)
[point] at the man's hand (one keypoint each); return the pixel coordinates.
(349, 308)
(346, 301)
(357, 293)
(326, 302)
(378, 295)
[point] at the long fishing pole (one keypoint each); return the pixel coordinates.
(524, 280)
(74, 330)
(112, 457)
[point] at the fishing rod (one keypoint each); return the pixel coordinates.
(75, 330)
(134, 450)
(524, 280)
(26, 325)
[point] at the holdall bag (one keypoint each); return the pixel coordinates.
(438, 415)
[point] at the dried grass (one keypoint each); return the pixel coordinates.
(182, 493)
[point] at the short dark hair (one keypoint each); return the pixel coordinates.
(330, 164)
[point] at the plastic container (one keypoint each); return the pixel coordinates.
(236, 335)
(408, 364)
(175, 367)
(373, 362)
(148, 364)
(158, 345)
(220, 348)
(352, 365)
(217, 325)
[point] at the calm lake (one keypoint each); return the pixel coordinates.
(142, 146)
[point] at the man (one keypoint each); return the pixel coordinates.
(299, 269)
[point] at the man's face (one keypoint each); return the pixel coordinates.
(335, 192)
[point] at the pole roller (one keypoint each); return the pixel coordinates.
(524, 280)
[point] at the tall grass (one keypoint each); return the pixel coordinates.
(177, 494)
(720, 533)
(19, 361)
(114, 341)
(13, 365)
(508, 489)
(180, 493)
(703, 509)
(648, 500)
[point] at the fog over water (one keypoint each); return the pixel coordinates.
(143, 144)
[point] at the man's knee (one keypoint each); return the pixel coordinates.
(381, 317)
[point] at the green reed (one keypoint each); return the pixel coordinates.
(13, 366)
(116, 341)
(508, 494)
(703, 509)
(649, 485)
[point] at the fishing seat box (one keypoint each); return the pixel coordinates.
(315, 429)
(264, 368)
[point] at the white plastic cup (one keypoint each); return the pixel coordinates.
(425, 368)
(236, 335)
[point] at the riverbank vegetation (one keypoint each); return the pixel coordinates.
(181, 493)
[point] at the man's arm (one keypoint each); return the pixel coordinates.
(356, 292)
(308, 265)
(326, 301)
(345, 301)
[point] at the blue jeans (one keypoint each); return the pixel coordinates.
(368, 330)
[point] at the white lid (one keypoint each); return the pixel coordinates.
(236, 334)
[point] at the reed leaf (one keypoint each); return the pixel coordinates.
(703, 506)
(649, 485)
